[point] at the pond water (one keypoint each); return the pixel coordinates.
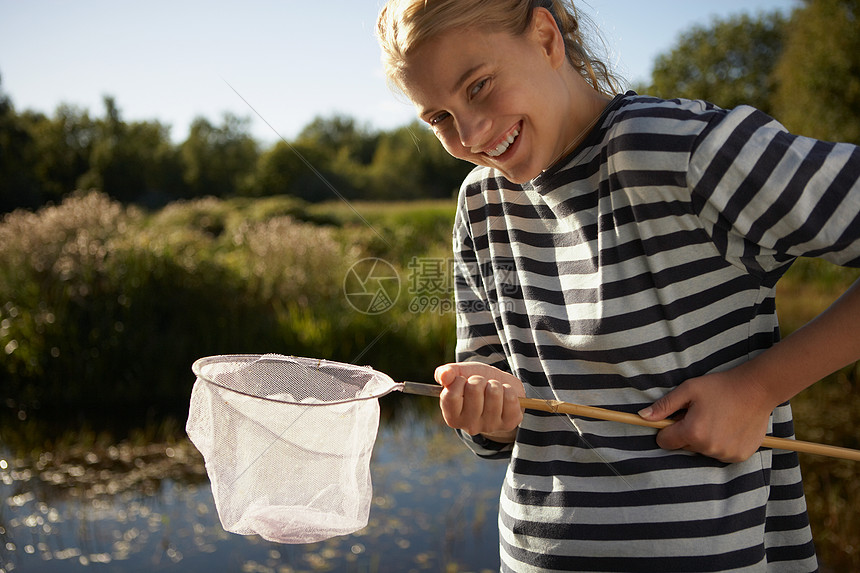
(145, 504)
(139, 507)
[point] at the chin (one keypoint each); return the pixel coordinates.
(515, 174)
(518, 176)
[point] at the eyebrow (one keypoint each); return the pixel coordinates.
(465, 77)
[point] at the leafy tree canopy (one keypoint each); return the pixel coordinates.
(728, 63)
(819, 73)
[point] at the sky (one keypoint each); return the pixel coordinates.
(292, 61)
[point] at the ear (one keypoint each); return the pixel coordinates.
(545, 31)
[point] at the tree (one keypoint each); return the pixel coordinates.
(334, 157)
(342, 151)
(218, 160)
(819, 72)
(442, 174)
(132, 162)
(282, 170)
(64, 145)
(341, 135)
(19, 186)
(729, 63)
(410, 163)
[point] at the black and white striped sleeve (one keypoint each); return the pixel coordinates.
(769, 196)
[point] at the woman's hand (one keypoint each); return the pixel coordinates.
(481, 399)
(727, 413)
(723, 416)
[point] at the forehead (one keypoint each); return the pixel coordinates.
(442, 64)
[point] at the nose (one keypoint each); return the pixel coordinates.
(473, 128)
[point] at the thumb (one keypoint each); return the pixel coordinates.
(445, 374)
(665, 406)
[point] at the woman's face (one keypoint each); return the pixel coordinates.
(494, 99)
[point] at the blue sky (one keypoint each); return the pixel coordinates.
(292, 60)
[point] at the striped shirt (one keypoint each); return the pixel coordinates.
(648, 256)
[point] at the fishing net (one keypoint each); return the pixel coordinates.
(287, 443)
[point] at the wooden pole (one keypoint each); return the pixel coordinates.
(558, 407)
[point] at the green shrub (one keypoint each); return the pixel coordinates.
(52, 264)
(103, 305)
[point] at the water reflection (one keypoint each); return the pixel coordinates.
(144, 507)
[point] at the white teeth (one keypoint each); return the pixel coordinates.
(503, 146)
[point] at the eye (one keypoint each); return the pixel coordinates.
(438, 118)
(476, 88)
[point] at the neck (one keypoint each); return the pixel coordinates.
(594, 106)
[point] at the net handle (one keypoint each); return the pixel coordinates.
(558, 407)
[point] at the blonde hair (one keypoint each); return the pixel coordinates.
(403, 25)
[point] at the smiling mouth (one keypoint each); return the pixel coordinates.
(504, 144)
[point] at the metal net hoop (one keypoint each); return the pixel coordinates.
(287, 443)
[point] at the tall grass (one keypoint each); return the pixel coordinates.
(102, 305)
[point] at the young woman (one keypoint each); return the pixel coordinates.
(622, 251)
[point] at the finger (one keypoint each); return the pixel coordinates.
(690, 433)
(512, 412)
(673, 438)
(677, 399)
(473, 402)
(494, 404)
(451, 401)
(729, 447)
(446, 374)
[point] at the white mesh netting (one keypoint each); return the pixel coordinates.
(287, 443)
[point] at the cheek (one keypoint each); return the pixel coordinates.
(452, 145)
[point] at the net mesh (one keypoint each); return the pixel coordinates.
(287, 443)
